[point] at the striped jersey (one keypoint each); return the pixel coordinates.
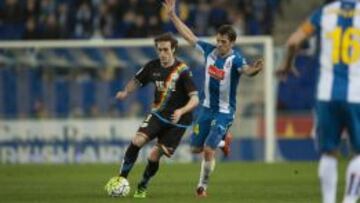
(222, 75)
(337, 26)
(172, 88)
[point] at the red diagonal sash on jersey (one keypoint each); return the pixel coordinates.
(170, 82)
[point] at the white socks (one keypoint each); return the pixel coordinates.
(352, 190)
(206, 168)
(328, 178)
(221, 143)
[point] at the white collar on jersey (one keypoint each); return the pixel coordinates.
(228, 54)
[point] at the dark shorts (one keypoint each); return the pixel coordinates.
(168, 136)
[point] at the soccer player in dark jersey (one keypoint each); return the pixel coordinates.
(175, 98)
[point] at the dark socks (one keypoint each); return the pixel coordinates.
(130, 157)
(151, 169)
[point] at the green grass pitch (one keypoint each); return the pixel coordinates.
(231, 182)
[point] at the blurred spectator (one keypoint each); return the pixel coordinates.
(32, 9)
(202, 18)
(12, 12)
(218, 15)
(150, 8)
(47, 7)
(64, 21)
(104, 22)
(126, 24)
(154, 26)
(51, 28)
(30, 29)
(138, 29)
(238, 21)
(119, 18)
(84, 24)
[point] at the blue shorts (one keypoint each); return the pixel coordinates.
(332, 118)
(210, 127)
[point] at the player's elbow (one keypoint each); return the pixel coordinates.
(295, 40)
(191, 41)
(195, 100)
(292, 44)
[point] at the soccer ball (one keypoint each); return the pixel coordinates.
(117, 187)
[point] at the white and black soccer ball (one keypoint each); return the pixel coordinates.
(118, 187)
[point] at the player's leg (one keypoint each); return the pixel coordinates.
(328, 130)
(201, 129)
(225, 143)
(218, 129)
(146, 132)
(168, 141)
(352, 190)
(151, 168)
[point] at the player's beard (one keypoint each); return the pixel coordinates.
(223, 51)
(166, 61)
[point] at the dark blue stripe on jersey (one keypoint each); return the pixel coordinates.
(357, 189)
(235, 77)
(215, 86)
(350, 188)
(341, 70)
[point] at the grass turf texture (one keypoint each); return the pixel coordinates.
(231, 182)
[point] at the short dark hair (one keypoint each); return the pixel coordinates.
(167, 37)
(227, 30)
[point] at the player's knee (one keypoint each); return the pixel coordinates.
(140, 139)
(155, 154)
(196, 150)
(209, 153)
(333, 153)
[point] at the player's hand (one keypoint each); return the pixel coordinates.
(258, 65)
(121, 95)
(169, 6)
(176, 116)
(284, 71)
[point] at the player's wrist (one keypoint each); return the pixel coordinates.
(172, 14)
(181, 111)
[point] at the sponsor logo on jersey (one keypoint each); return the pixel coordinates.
(216, 73)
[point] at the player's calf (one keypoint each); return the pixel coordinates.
(227, 143)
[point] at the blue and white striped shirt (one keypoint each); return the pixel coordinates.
(221, 78)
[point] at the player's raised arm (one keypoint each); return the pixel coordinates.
(184, 30)
(132, 85)
(292, 46)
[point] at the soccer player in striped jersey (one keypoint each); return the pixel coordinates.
(337, 26)
(175, 98)
(223, 68)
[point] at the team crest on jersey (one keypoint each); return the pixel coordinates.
(227, 65)
(216, 73)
